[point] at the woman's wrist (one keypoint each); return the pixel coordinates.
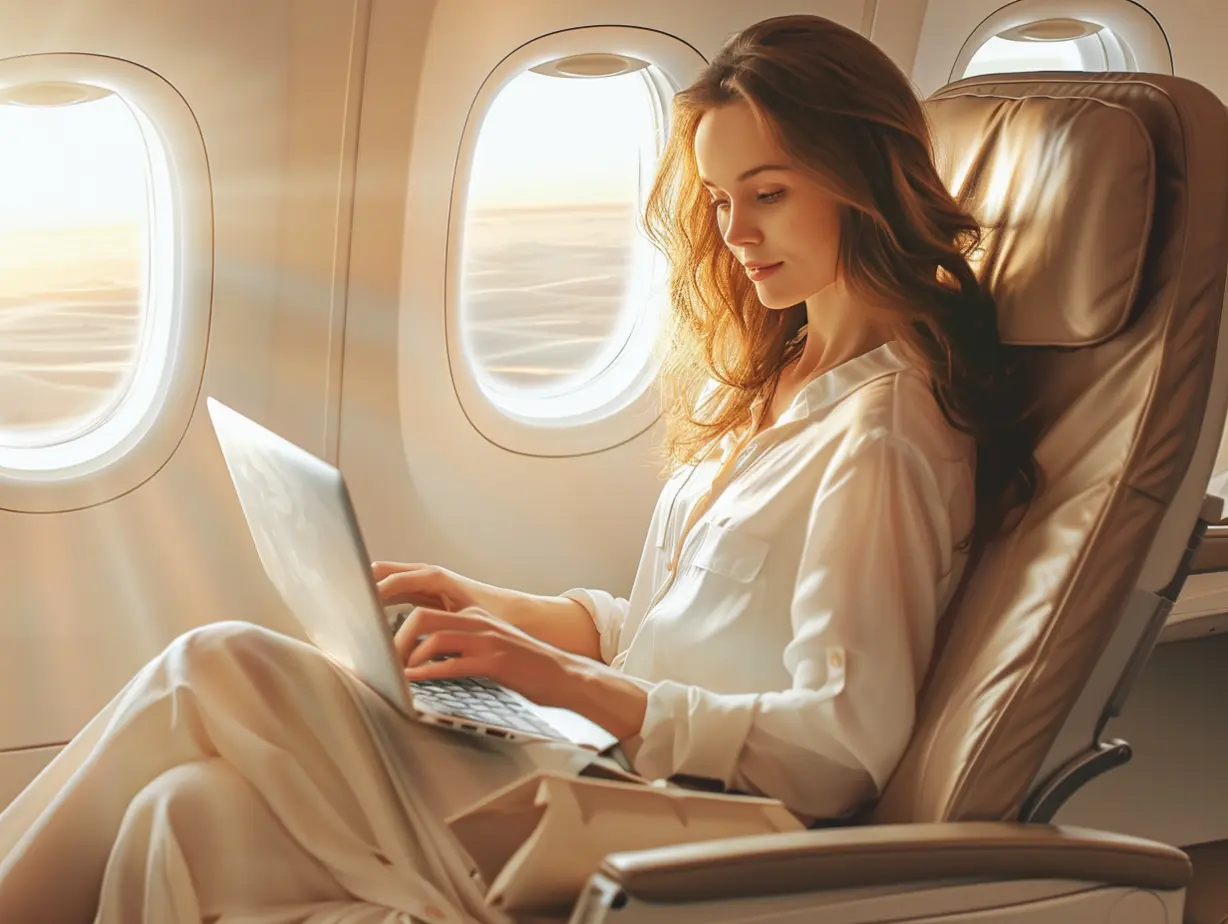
(607, 697)
(503, 603)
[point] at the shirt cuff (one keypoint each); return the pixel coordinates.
(691, 731)
(607, 615)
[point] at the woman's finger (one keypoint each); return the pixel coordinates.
(421, 588)
(381, 569)
(427, 621)
(448, 644)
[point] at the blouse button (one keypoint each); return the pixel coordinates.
(835, 659)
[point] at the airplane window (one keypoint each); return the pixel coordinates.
(998, 55)
(1051, 45)
(555, 273)
(76, 219)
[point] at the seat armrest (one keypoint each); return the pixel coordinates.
(874, 855)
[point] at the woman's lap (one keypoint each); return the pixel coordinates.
(253, 719)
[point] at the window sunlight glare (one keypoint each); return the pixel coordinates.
(74, 232)
(1000, 56)
(551, 244)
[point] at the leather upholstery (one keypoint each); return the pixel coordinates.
(1120, 400)
(883, 855)
(1065, 227)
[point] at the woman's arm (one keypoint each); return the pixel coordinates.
(557, 621)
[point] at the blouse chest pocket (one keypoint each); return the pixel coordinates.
(734, 554)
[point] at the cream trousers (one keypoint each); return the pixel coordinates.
(243, 778)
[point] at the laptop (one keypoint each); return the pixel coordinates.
(300, 515)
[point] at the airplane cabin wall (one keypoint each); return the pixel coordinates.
(89, 595)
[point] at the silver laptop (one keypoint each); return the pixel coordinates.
(299, 512)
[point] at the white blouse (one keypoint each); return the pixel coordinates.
(783, 653)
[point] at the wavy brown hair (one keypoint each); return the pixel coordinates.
(849, 118)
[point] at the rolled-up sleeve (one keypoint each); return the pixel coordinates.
(878, 547)
(608, 614)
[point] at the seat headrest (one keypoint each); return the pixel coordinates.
(1066, 227)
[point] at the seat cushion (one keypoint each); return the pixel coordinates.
(1206, 898)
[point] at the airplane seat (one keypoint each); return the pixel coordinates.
(1107, 208)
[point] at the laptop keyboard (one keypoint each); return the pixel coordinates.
(479, 700)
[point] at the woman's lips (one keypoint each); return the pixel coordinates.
(759, 273)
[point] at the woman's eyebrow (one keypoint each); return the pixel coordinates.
(746, 175)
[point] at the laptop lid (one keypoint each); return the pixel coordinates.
(302, 521)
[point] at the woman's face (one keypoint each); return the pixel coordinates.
(777, 222)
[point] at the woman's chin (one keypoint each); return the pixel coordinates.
(774, 301)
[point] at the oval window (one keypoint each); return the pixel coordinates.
(1057, 35)
(105, 277)
(999, 55)
(75, 228)
(556, 279)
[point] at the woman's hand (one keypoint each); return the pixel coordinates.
(475, 644)
(558, 621)
(434, 587)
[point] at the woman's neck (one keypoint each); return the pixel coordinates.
(838, 329)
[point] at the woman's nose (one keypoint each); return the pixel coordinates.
(740, 229)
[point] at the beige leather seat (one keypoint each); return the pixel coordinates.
(1112, 200)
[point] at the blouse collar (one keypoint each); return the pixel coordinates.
(833, 386)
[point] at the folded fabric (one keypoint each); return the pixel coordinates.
(537, 842)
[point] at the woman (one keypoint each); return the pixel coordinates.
(843, 432)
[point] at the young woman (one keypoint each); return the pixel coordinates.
(844, 430)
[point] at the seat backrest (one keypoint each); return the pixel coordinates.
(1107, 196)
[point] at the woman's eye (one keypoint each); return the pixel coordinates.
(769, 197)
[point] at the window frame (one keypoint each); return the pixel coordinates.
(635, 409)
(1135, 42)
(137, 437)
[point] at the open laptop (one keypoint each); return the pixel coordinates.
(300, 515)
